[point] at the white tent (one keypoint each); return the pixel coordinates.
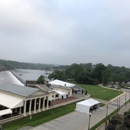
(5, 112)
(10, 101)
(86, 105)
(62, 95)
(61, 83)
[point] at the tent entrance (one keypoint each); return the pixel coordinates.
(87, 106)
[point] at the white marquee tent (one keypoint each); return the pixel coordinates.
(62, 95)
(86, 105)
(61, 83)
(5, 112)
(10, 101)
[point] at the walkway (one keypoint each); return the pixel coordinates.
(123, 109)
(26, 128)
(79, 121)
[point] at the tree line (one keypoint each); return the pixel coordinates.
(91, 74)
(85, 73)
(10, 65)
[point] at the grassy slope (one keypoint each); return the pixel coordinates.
(95, 91)
(40, 118)
(99, 92)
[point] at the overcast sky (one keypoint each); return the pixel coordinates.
(65, 31)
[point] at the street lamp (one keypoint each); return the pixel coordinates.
(106, 116)
(107, 111)
(125, 100)
(117, 103)
(89, 121)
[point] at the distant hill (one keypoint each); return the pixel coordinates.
(23, 65)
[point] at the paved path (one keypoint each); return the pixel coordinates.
(123, 109)
(26, 128)
(79, 121)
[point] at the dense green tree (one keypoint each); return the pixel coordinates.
(114, 78)
(97, 72)
(41, 80)
(57, 74)
(106, 74)
(73, 70)
(123, 77)
(128, 75)
(85, 78)
(87, 66)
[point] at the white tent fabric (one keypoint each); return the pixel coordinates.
(61, 83)
(5, 112)
(84, 106)
(61, 94)
(10, 101)
(8, 77)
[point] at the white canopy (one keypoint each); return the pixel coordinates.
(8, 77)
(62, 83)
(10, 101)
(84, 106)
(5, 112)
(61, 94)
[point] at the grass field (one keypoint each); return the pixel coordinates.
(95, 91)
(99, 92)
(40, 118)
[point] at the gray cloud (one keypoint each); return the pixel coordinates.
(65, 32)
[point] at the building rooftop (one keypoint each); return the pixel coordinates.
(44, 87)
(61, 83)
(18, 89)
(59, 86)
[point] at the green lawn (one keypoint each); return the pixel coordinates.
(95, 91)
(40, 118)
(99, 92)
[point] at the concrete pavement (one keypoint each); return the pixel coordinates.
(123, 109)
(26, 128)
(79, 121)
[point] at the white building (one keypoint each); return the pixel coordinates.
(17, 99)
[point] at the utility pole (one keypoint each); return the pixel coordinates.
(89, 121)
(106, 111)
(125, 100)
(106, 116)
(117, 103)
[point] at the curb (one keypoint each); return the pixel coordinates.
(118, 96)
